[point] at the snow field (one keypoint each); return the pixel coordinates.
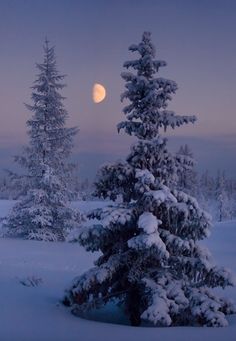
(34, 313)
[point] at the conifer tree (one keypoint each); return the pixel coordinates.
(187, 176)
(44, 212)
(222, 200)
(206, 193)
(151, 260)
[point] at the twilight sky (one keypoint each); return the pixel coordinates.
(196, 38)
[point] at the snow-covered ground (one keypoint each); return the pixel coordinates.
(35, 313)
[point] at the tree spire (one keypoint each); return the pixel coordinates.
(149, 95)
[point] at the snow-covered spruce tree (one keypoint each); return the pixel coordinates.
(44, 212)
(222, 201)
(187, 176)
(151, 260)
(206, 191)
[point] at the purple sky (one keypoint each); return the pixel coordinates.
(196, 38)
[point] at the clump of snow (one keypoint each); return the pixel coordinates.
(162, 195)
(145, 176)
(146, 241)
(148, 222)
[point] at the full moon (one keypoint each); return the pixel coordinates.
(99, 93)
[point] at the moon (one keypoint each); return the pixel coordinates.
(99, 93)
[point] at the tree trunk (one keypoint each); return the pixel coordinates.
(133, 305)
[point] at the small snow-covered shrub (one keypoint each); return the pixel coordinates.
(46, 235)
(31, 281)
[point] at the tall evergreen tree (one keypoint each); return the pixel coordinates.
(222, 199)
(150, 260)
(187, 176)
(43, 213)
(206, 192)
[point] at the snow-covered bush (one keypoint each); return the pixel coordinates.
(151, 260)
(31, 281)
(43, 213)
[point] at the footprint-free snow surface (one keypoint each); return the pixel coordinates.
(33, 276)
